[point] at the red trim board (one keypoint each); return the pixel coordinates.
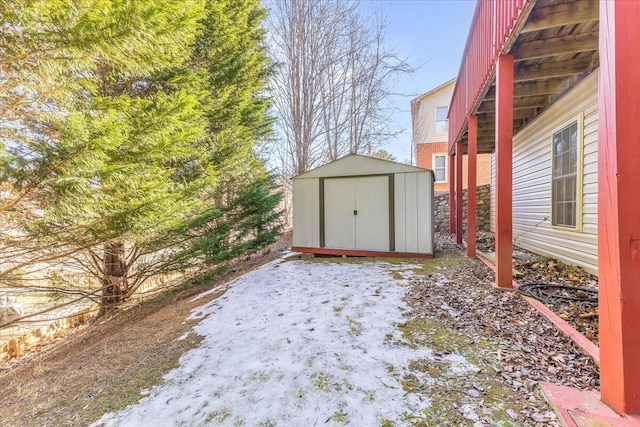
(579, 408)
(358, 252)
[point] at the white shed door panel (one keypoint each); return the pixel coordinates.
(372, 221)
(339, 220)
(357, 213)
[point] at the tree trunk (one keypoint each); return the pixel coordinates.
(114, 281)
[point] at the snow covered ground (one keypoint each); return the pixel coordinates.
(294, 343)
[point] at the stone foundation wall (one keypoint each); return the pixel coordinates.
(441, 209)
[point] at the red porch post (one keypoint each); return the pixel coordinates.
(452, 200)
(504, 170)
(472, 151)
(459, 192)
(619, 205)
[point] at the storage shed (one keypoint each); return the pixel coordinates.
(363, 206)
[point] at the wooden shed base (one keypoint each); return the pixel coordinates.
(357, 252)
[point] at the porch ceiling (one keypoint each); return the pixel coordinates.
(556, 47)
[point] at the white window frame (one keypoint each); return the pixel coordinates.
(445, 121)
(579, 121)
(446, 167)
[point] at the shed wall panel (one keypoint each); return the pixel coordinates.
(306, 213)
(413, 205)
(424, 210)
(399, 212)
(411, 212)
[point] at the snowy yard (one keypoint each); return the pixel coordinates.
(297, 342)
(332, 341)
(301, 342)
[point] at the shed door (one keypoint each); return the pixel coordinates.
(357, 213)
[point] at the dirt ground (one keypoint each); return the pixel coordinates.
(104, 366)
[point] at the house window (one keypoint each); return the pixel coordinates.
(442, 125)
(565, 176)
(440, 167)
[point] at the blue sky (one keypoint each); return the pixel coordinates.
(431, 35)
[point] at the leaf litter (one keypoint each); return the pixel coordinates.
(533, 269)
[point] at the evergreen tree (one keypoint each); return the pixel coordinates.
(244, 214)
(155, 117)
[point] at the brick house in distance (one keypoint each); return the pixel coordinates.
(430, 132)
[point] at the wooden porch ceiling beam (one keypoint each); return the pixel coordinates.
(557, 46)
(549, 70)
(562, 14)
(487, 125)
(490, 116)
(486, 141)
(485, 130)
(518, 103)
(486, 133)
(486, 149)
(543, 87)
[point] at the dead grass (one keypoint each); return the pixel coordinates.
(105, 366)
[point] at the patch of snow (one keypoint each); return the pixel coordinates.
(182, 337)
(469, 412)
(451, 311)
(212, 290)
(459, 366)
(294, 343)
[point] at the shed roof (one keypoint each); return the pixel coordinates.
(356, 164)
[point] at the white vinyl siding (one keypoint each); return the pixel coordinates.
(532, 181)
(423, 121)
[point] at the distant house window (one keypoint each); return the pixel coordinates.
(565, 176)
(442, 126)
(440, 167)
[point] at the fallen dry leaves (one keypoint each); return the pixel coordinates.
(533, 268)
(528, 348)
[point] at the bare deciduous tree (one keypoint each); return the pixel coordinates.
(333, 79)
